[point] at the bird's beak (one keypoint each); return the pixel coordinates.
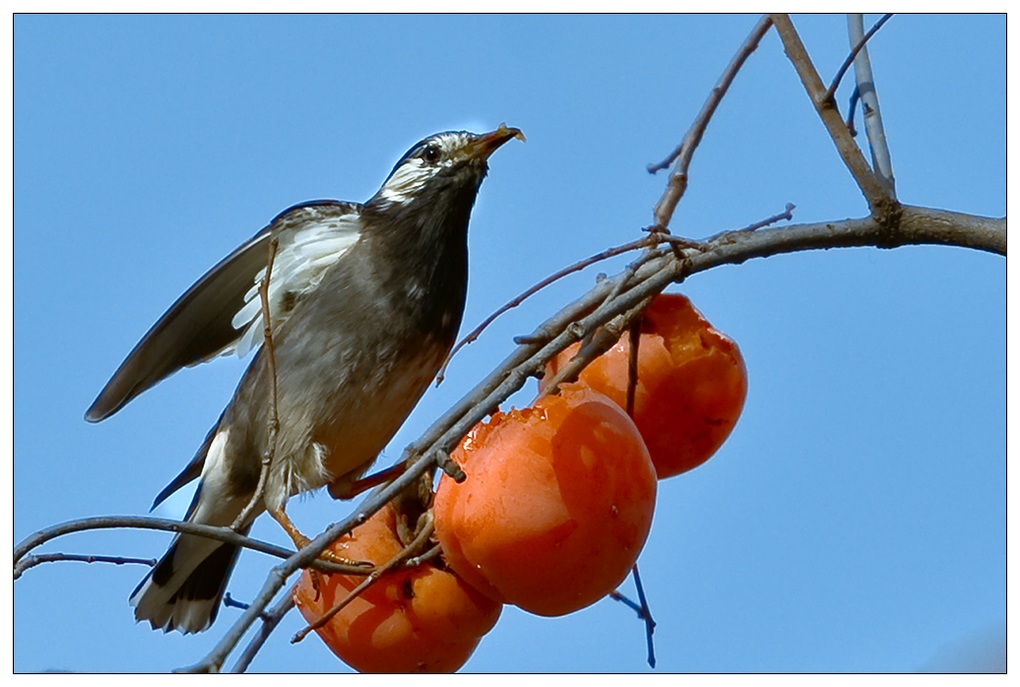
(484, 145)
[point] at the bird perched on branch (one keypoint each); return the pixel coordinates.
(364, 304)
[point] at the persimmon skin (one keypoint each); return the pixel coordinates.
(556, 507)
(422, 620)
(692, 383)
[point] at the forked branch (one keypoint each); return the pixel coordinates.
(879, 200)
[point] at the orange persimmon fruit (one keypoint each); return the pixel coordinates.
(556, 506)
(691, 383)
(419, 620)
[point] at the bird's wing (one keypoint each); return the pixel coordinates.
(311, 237)
(221, 312)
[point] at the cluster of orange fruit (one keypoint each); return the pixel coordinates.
(556, 506)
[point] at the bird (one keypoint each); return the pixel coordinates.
(364, 301)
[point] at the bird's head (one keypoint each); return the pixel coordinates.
(442, 169)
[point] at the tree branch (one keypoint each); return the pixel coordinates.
(223, 534)
(857, 43)
(270, 621)
(881, 161)
(880, 202)
(593, 310)
(256, 500)
(685, 151)
(31, 561)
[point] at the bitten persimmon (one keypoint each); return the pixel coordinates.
(556, 506)
(691, 384)
(420, 620)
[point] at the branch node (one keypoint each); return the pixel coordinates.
(449, 466)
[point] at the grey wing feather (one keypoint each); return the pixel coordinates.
(195, 328)
(222, 307)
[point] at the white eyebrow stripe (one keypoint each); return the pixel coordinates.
(412, 173)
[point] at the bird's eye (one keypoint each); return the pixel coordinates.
(431, 154)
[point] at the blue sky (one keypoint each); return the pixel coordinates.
(855, 520)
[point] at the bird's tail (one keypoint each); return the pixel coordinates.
(183, 591)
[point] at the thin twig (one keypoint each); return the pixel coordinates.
(274, 421)
(851, 112)
(857, 44)
(785, 215)
(881, 161)
(730, 234)
(634, 329)
(645, 614)
(642, 610)
(231, 602)
(619, 596)
(32, 561)
(556, 276)
(270, 621)
(685, 151)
